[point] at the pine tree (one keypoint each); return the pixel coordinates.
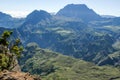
(9, 51)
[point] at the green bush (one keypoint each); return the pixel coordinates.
(8, 50)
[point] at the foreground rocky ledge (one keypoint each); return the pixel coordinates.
(16, 75)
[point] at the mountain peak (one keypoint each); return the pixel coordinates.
(80, 11)
(4, 16)
(35, 11)
(36, 16)
(80, 6)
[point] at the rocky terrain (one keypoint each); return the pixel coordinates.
(16, 75)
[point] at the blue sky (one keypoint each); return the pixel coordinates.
(19, 8)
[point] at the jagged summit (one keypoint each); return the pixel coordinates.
(36, 16)
(80, 11)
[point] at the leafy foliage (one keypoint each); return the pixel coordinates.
(8, 52)
(4, 60)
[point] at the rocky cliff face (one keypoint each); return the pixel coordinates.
(16, 75)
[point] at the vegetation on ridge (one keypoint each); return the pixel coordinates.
(9, 51)
(53, 66)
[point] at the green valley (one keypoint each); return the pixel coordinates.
(54, 66)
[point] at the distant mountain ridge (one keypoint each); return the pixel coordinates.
(7, 21)
(36, 16)
(4, 16)
(80, 11)
(108, 16)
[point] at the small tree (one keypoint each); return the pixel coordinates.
(9, 51)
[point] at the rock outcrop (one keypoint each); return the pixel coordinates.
(16, 75)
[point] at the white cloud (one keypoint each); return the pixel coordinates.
(17, 14)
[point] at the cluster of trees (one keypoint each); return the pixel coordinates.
(9, 51)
